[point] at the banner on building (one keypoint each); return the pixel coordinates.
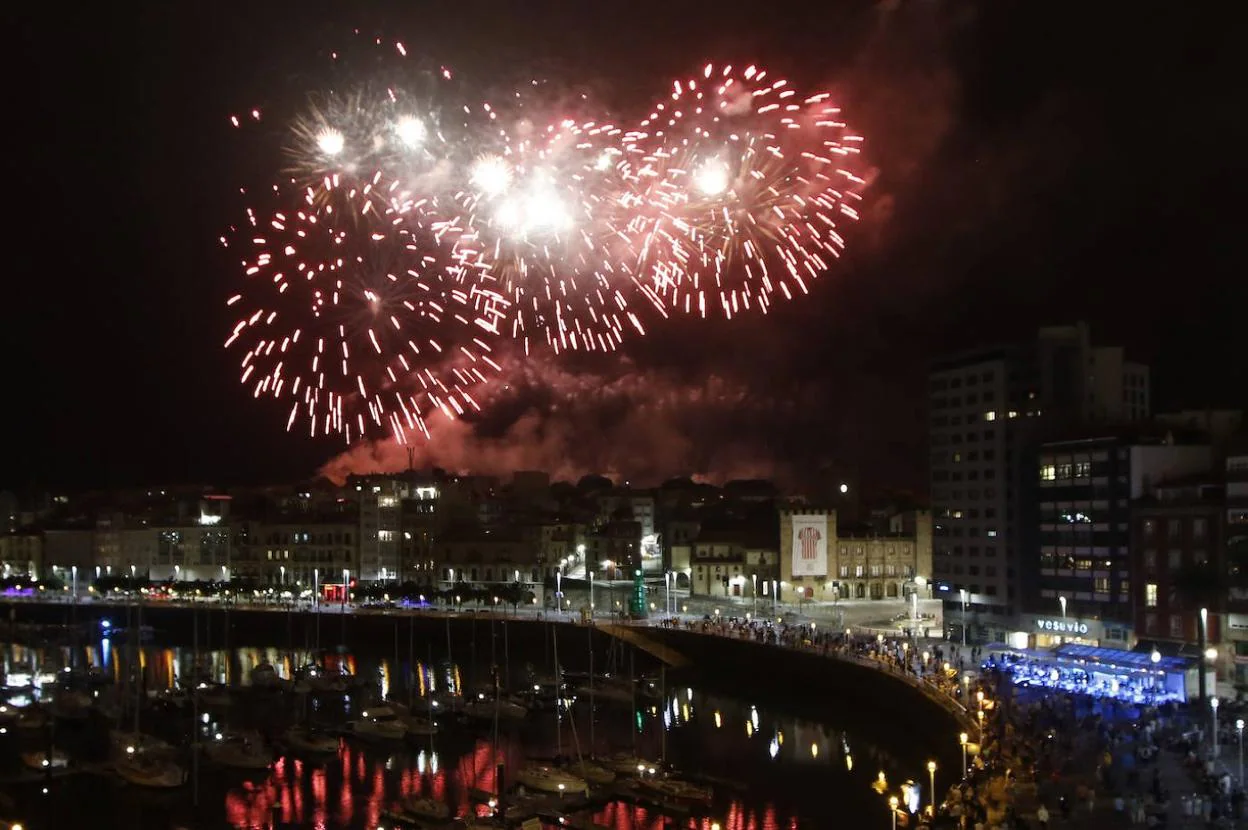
(810, 545)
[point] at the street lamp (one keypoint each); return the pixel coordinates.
(754, 579)
(668, 577)
(346, 582)
(931, 774)
(892, 799)
(962, 740)
(1239, 727)
(1062, 601)
(962, 593)
(591, 592)
(282, 571)
(1213, 707)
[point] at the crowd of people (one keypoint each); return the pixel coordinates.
(1042, 757)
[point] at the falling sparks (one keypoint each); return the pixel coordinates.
(415, 224)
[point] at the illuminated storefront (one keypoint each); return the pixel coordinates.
(1139, 677)
(1041, 631)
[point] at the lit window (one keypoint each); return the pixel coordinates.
(1150, 595)
(1013, 414)
(990, 415)
(1048, 472)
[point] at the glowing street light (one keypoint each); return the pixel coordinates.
(892, 808)
(962, 738)
(1239, 727)
(931, 774)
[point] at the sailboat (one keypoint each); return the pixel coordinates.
(378, 723)
(303, 740)
(545, 777)
(629, 763)
(42, 761)
(140, 759)
(239, 751)
(148, 769)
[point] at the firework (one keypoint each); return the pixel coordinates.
(416, 221)
(534, 210)
(359, 332)
(742, 187)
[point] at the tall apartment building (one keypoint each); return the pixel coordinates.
(1075, 557)
(987, 408)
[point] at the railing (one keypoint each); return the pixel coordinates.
(947, 702)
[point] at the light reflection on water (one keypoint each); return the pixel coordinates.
(792, 766)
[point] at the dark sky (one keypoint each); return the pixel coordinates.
(1038, 163)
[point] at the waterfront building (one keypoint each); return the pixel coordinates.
(1074, 530)
(822, 561)
(987, 410)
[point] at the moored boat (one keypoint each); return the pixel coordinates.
(144, 769)
(625, 764)
(426, 808)
(592, 772)
(42, 762)
(239, 752)
(675, 789)
(305, 741)
(549, 779)
(378, 723)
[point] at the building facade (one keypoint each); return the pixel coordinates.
(819, 563)
(1178, 526)
(987, 409)
(1076, 564)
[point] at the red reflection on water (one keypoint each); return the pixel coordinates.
(620, 815)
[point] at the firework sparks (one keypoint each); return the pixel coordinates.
(421, 222)
(360, 333)
(746, 188)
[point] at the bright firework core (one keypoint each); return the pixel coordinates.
(711, 178)
(539, 211)
(330, 141)
(410, 131)
(491, 175)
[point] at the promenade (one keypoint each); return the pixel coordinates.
(1093, 764)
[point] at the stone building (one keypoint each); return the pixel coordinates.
(820, 561)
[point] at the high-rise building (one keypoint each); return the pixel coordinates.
(987, 409)
(1075, 540)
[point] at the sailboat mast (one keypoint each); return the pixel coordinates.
(632, 685)
(554, 633)
(663, 719)
(592, 709)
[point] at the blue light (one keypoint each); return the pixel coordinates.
(105, 624)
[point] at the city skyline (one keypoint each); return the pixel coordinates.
(996, 205)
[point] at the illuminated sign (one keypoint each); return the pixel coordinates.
(1062, 626)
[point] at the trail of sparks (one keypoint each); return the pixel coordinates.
(416, 223)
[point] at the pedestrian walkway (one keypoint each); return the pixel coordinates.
(1176, 781)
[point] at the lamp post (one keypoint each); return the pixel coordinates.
(962, 740)
(754, 580)
(931, 774)
(1202, 632)
(559, 590)
(892, 808)
(1213, 707)
(668, 578)
(1239, 727)
(775, 596)
(591, 593)
(316, 589)
(962, 593)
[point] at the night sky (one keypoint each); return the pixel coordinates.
(1038, 163)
